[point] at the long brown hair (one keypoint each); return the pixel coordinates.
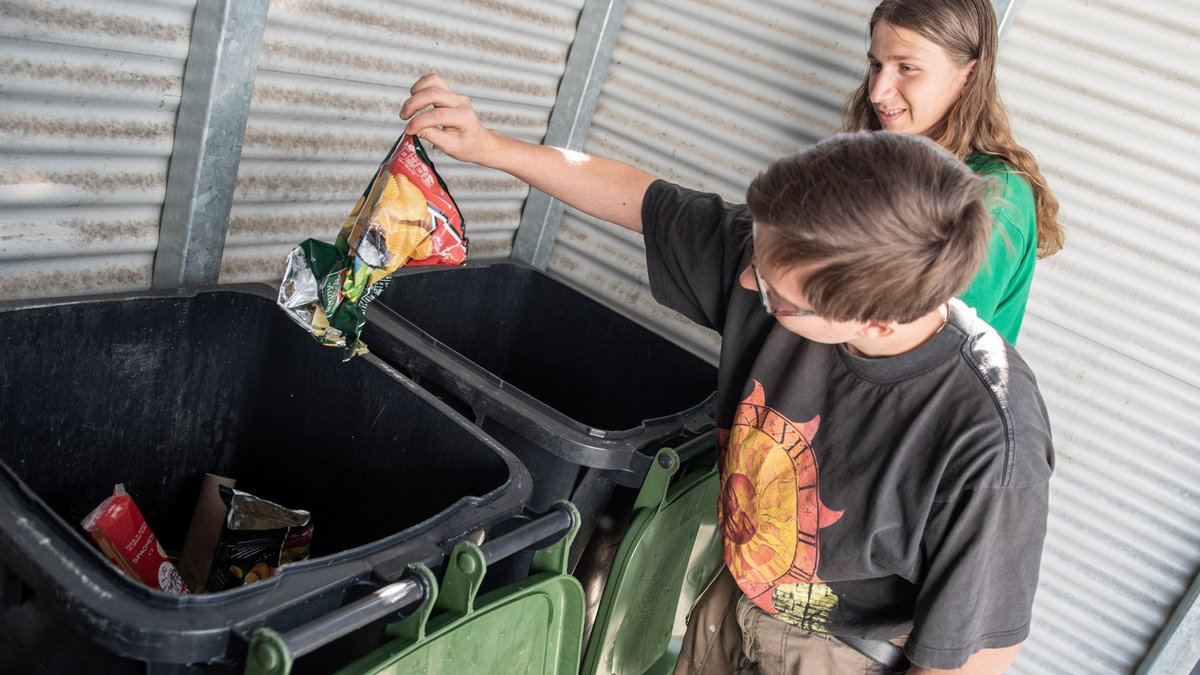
(884, 245)
(977, 122)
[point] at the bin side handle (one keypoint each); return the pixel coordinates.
(272, 653)
(696, 446)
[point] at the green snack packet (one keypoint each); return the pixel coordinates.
(320, 293)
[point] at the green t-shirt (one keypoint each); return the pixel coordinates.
(1000, 289)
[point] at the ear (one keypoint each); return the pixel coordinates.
(965, 76)
(874, 330)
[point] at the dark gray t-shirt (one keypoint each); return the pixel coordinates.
(866, 497)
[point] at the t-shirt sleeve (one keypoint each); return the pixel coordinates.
(983, 551)
(1000, 289)
(991, 282)
(695, 243)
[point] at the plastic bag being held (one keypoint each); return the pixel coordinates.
(406, 217)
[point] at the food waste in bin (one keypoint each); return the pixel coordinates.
(118, 528)
(257, 538)
(405, 217)
(254, 537)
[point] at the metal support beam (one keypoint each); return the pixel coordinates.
(1177, 649)
(217, 84)
(587, 66)
(1005, 9)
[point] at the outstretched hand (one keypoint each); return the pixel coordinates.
(599, 187)
(450, 124)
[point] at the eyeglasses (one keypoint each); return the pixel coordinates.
(765, 293)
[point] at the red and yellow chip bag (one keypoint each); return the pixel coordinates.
(405, 217)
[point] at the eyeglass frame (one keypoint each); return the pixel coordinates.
(763, 294)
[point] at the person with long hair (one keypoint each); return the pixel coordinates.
(932, 71)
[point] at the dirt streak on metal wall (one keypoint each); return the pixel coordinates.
(87, 119)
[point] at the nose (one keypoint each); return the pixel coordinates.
(882, 86)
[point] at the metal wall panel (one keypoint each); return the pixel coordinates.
(1125, 508)
(87, 119)
(707, 93)
(331, 78)
(1105, 98)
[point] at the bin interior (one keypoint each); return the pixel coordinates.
(155, 392)
(564, 349)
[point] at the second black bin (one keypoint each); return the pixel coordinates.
(580, 393)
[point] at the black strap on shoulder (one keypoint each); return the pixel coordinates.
(882, 652)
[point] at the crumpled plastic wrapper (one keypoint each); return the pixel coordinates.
(254, 539)
(405, 218)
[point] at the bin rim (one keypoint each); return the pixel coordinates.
(154, 626)
(426, 356)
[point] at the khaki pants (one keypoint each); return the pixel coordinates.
(727, 634)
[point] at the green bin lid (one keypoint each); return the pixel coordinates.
(654, 566)
(530, 628)
(533, 626)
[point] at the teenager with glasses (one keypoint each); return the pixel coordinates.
(884, 453)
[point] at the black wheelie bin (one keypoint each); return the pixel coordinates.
(152, 390)
(583, 395)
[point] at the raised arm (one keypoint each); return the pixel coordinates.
(604, 188)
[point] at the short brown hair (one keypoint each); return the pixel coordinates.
(893, 224)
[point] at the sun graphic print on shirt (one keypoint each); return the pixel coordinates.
(770, 512)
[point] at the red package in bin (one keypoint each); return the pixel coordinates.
(118, 528)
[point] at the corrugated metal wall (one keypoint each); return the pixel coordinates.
(704, 92)
(91, 92)
(1105, 96)
(331, 78)
(87, 120)
(707, 93)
